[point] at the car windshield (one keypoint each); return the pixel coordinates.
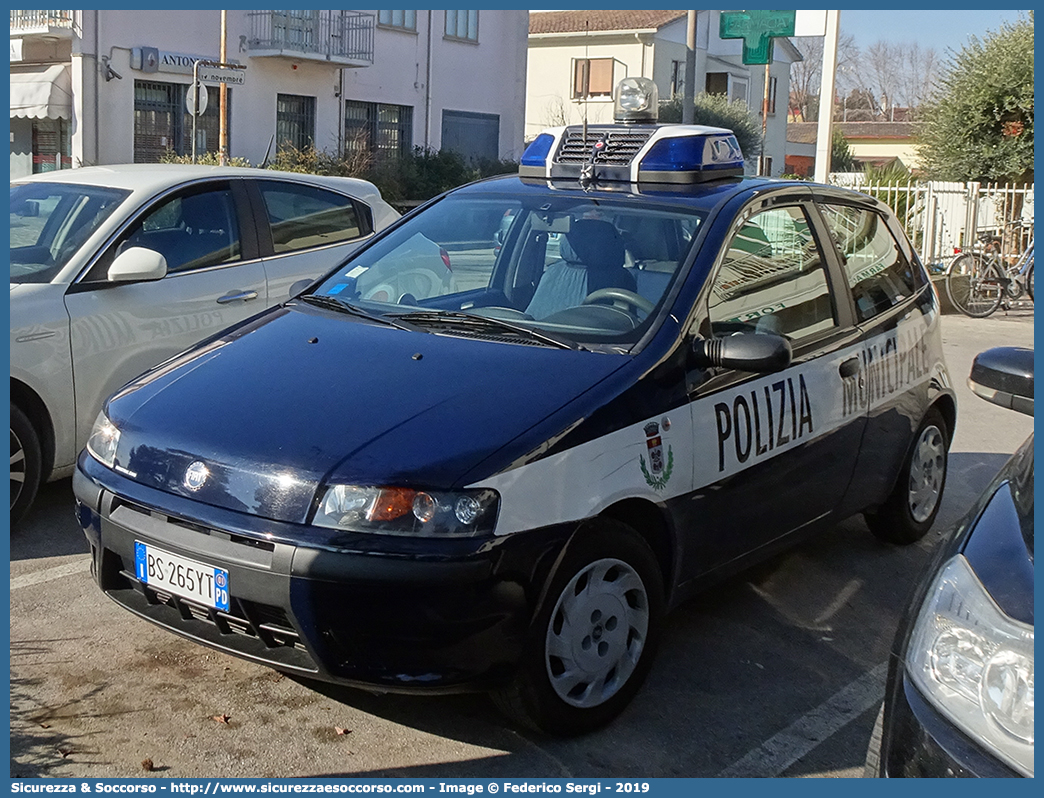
(582, 269)
(49, 223)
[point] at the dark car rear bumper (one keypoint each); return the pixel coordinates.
(436, 616)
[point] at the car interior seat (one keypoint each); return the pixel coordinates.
(649, 249)
(594, 259)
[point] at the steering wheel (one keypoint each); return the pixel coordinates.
(620, 297)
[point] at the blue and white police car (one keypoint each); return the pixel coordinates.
(493, 448)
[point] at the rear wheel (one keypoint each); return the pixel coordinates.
(908, 513)
(593, 641)
(25, 464)
(972, 285)
(1029, 281)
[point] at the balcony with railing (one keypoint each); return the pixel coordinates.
(344, 38)
(58, 24)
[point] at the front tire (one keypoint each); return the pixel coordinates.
(971, 286)
(594, 639)
(911, 508)
(26, 461)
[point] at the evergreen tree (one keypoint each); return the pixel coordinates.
(980, 124)
(841, 158)
(715, 110)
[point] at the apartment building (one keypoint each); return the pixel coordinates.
(108, 86)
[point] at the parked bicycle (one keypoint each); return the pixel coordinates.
(979, 282)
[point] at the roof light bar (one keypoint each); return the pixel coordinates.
(635, 150)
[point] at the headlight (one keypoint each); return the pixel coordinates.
(103, 440)
(404, 511)
(975, 664)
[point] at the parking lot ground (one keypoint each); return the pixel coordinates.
(777, 672)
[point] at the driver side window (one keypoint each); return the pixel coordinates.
(772, 279)
(190, 230)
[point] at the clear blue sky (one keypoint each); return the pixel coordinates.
(939, 29)
(935, 28)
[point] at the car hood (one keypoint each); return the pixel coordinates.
(300, 397)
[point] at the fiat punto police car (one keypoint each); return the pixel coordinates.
(495, 446)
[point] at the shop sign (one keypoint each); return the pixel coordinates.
(152, 59)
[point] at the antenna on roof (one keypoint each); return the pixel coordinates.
(586, 84)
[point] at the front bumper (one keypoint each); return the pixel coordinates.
(918, 742)
(385, 613)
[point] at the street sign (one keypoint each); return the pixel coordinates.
(234, 77)
(190, 100)
(756, 28)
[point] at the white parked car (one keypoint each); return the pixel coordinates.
(117, 268)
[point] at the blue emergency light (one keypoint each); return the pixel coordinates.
(537, 152)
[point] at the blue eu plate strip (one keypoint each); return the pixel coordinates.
(140, 564)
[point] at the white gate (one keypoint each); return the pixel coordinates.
(941, 218)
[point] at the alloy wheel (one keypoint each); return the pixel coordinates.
(18, 466)
(597, 632)
(927, 472)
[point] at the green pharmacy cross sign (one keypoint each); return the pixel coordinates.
(756, 28)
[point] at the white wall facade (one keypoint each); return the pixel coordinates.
(433, 73)
(423, 69)
(550, 71)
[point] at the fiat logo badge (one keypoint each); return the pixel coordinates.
(196, 476)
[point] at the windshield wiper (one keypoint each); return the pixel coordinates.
(456, 318)
(341, 306)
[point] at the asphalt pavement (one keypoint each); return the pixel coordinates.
(777, 672)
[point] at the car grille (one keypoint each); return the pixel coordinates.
(261, 632)
(621, 145)
(123, 504)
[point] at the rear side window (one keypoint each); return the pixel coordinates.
(879, 275)
(302, 217)
(772, 279)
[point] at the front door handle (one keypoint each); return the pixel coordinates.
(849, 368)
(237, 296)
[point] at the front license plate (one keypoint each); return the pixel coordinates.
(181, 576)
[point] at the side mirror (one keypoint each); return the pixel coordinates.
(1004, 376)
(754, 352)
(137, 264)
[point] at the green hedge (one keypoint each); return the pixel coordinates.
(421, 175)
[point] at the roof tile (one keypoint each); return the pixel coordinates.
(580, 21)
(805, 132)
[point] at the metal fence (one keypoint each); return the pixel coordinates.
(942, 218)
(330, 34)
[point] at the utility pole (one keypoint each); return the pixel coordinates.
(689, 94)
(223, 103)
(762, 170)
(825, 129)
